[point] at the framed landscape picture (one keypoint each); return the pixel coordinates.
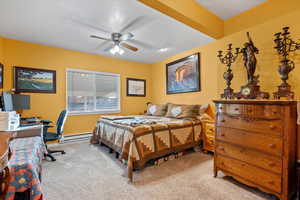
(34, 80)
(183, 75)
(136, 87)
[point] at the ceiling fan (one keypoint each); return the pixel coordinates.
(118, 40)
(121, 38)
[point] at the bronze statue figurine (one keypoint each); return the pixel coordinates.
(251, 90)
(249, 58)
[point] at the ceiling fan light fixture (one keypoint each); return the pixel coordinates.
(116, 49)
(163, 49)
(121, 51)
(112, 51)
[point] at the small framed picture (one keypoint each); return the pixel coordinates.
(1, 75)
(34, 80)
(136, 87)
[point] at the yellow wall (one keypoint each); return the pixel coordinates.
(212, 71)
(208, 77)
(48, 106)
(1, 50)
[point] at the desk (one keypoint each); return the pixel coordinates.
(29, 131)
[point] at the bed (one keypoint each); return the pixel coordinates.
(141, 138)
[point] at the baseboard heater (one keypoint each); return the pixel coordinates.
(75, 137)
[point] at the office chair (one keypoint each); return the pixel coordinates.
(50, 136)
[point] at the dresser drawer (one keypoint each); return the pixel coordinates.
(268, 127)
(256, 175)
(255, 111)
(260, 142)
(230, 109)
(268, 162)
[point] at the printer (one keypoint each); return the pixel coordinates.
(9, 121)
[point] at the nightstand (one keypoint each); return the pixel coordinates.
(208, 136)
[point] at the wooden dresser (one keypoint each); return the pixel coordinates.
(4, 156)
(209, 136)
(256, 144)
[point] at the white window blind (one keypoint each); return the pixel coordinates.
(92, 92)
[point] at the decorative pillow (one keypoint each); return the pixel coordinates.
(157, 109)
(182, 111)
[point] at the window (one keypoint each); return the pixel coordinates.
(92, 92)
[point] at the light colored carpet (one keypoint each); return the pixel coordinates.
(89, 172)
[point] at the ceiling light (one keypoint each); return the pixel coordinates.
(116, 49)
(112, 51)
(163, 49)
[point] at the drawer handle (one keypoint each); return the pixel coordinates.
(222, 149)
(223, 134)
(272, 146)
(223, 120)
(236, 109)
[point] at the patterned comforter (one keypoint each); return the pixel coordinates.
(139, 139)
(25, 167)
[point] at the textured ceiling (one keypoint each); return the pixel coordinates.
(226, 9)
(68, 24)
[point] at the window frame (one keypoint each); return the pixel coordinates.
(113, 111)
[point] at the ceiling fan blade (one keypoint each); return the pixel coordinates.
(126, 36)
(136, 23)
(89, 25)
(101, 38)
(102, 45)
(132, 48)
(142, 44)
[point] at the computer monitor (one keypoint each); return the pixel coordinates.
(21, 102)
(11, 102)
(7, 101)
